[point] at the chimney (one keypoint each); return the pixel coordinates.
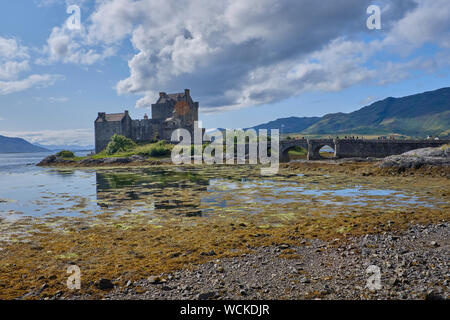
(126, 113)
(187, 92)
(145, 117)
(162, 94)
(102, 115)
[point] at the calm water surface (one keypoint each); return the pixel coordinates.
(30, 191)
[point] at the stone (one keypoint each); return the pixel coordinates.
(434, 244)
(419, 158)
(305, 280)
(154, 279)
(105, 284)
(209, 253)
(207, 295)
(433, 295)
(42, 288)
(138, 158)
(220, 269)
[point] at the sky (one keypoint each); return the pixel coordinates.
(246, 62)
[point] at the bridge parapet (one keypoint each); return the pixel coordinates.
(360, 148)
(381, 148)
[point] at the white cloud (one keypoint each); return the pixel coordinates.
(238, 54)
(10, 69)
(11, 49)
(71, 46)
(234, 54)
(83, 137)
(35, 80)
(14, 60)
(52, 99)
(58, 99)
(428, 23)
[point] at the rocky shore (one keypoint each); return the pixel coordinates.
(413, 264)
(415, 159)
(419, 158)
(54, 160)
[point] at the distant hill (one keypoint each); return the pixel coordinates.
(418, 115)
(59, 147)
(19, 145)
(289, 125)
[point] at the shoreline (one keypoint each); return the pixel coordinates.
(426, 161)
(413, 265)
(365, 167)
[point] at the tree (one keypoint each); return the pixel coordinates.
(119, 143)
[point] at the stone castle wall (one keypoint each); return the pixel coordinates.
(168, 114)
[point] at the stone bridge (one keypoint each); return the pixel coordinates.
(349, 148)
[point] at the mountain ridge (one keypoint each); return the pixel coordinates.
(59, 147)
(18, 145)
(421, 114)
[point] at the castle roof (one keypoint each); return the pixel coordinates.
(174, 97)
(112, 117)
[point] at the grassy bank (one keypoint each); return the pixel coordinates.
(152, 151)
(158, 149)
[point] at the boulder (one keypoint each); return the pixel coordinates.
(52, 160)
(419, 158)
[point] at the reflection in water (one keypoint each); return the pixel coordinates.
(158, 189)
(164, 192)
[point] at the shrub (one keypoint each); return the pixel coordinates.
(65, 154)
(119, 143)
(158, 149)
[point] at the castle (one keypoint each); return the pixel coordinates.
(170, 112)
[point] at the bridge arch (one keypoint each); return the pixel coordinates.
(319, 150)
(302, 152)
(314, 147)
(288, 145)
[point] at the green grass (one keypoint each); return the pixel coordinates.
(158, 149)
(65, 154)
(298, 151)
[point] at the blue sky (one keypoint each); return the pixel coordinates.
(245, 62)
